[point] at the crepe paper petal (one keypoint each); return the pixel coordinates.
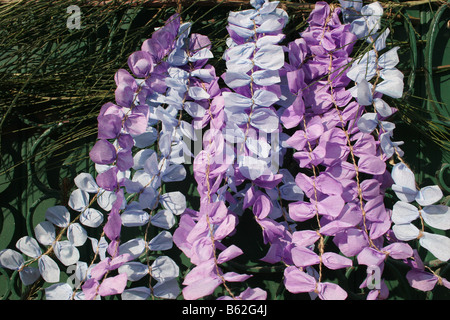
(364, 93)
(141, 157)
(163, 219)
(335, 261)
(371, 164)
(58, 215)
(45, 233)
(236, 79)
(66, 252)
(252, 168)
(405, 231)
(164, 269)
(392, 85)
(188, 130)
(403, 212)
(382, 108)
(235, 277)
(242, 65)
(198, 93)
(86, 182)
(194, 109)
(82, 271)
(140, 63)
(176, 172)
(11, 259)
(134, 270)
(265, 120)
(291, 192)
(113, 285)
(90, 289)
(253, 294)
(29, 275)
(49, 269)
(147, 198)
(235, 102)
(266, 77)
(203, 74)
(421, 280)
(375, 209)
(91, 218)
(371, 257)
(305, 238)
(437, 244)
(390, 147)
(331, 206)
(136, 122)
(29, 246)
(201, 288)
(202, 54)
(304, 257)
(134, 248)
(264, 98)
(113, 225)
(298, 140)
(177, 57)
(168, 289)
(297, 281)
(134, 217)
(229, 253)
(273, 23)
(403, 176)
(99, 246)
(58, 291)
(404, 194)
(331, 291)
(163, 241)
(364, 68)
(124, 160)
(368, 122)
(137, 293)
(429, 195)
(326, 184)
(399, 250)
(270, 57)
(437, 216)
(301, 211)
(103, 152)
(380, 39)
(389, 59)
(258, 146)
(174, 201)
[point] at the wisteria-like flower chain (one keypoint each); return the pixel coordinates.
(309, 98)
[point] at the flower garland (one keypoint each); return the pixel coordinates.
(309, 98)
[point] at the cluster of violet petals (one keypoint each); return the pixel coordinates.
(309, 100)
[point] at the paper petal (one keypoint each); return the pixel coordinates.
(45, 233)
(66, 252)
(437, 244)
(49, 269)
(429, 195)
(11, 259)
(29, 246)
(76, 234)
(58, 291)
(113, 285)
(437, 216)
(58, 215)
(164, 269)
(403, 212)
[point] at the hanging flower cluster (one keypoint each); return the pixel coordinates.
(309, 102)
